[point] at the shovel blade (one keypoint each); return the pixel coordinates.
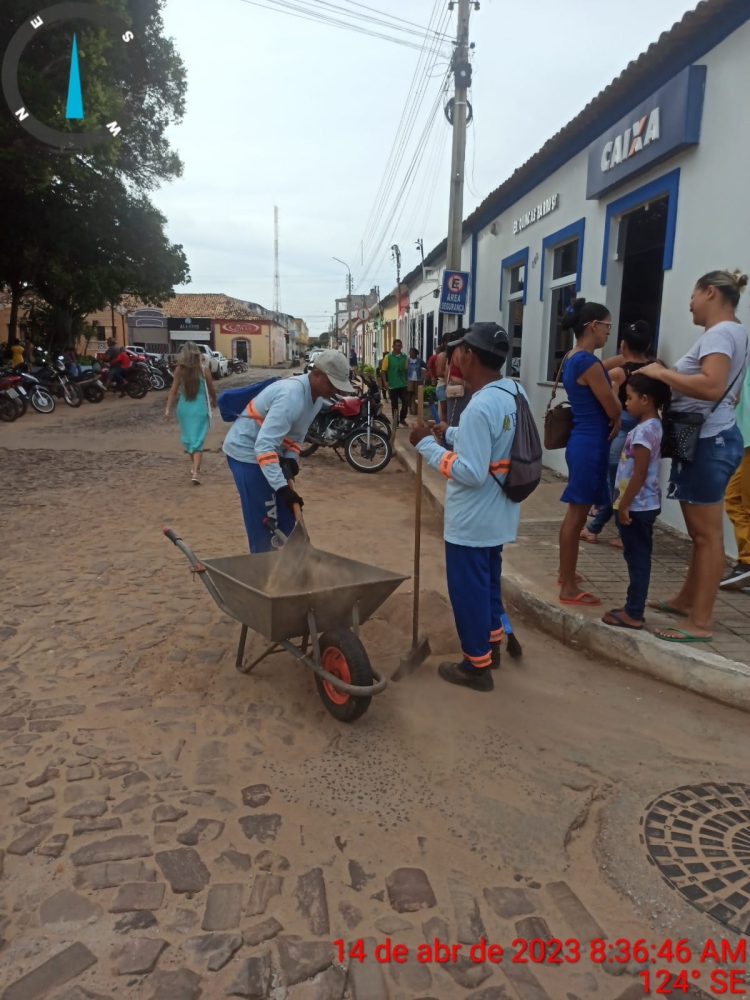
(413, 659)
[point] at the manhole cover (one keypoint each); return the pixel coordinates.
(698, 836)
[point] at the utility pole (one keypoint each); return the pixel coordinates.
(349, 290)
(396, 258)
(462, 71)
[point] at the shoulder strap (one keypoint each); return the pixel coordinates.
(730, 387)
(557, 381)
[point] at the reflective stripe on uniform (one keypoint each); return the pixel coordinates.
(497, 635)
(497, 468)
(479, 662)
(267, 458)
(253, 413)
(291, 445)
(446, 463)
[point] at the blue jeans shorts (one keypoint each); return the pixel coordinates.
(704, 480)
(440, 393)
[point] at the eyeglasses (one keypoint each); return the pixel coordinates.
(602, 323)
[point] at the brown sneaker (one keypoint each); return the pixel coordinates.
(456, 673)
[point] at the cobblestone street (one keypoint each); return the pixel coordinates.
(173, 829)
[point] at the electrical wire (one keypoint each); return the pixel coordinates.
(308, 13)
(388, 20)
(412, 107)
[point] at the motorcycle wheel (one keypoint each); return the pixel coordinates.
(22, 405)
(72, 394)
(383, 424)
(94, 393)
(158, 383)
(367, 460)
(8, 412)
(308, 450)
(137, 389)
(42, 401)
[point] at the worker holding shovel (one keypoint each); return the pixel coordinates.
(263, 444)
(479, 516)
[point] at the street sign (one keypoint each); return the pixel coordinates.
(455, 292)
(363, 314)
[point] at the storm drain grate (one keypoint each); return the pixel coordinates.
(698, 836)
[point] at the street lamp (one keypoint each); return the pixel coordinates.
(348, 297)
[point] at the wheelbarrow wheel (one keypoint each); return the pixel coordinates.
(344, 656)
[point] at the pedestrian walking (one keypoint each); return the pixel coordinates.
(263, 445)
(737, 497)
(596, 423)
(637, 497)
(479, 516)
(704, 385)
(415, 369)
(196, 396)
(636, 349)
(393, 374)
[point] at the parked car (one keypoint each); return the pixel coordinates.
(141, 352)
(223, 364)
(311, 359)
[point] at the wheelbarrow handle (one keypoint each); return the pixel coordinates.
(172, 535)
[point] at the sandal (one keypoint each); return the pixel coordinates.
(687, 637)
(589, 536)
(196, 479)
(616, 543)
(618, 622)
(660, 605)
(578, 579)
(578, 599)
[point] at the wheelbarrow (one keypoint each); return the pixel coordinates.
(327, 620)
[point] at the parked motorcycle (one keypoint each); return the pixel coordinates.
(55, 379)
(238, 367)
(89, 382)
(11, 407)
(134, 382)
(350, 424)
(30, 389)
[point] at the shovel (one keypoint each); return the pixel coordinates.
(420, 648)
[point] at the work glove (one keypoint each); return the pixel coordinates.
(290, 468)
(288, 498)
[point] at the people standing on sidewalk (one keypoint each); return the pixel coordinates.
(353, 360)
(705, 383)
(441, 374)
(737, 497)
(479, 517)
(196, 396)
(262, 445)
(458, 391)
(393, 377)
(636, 349)
(637, 497)
(415, 369)
(596, 423)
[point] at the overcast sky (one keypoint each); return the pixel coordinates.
(283, 111)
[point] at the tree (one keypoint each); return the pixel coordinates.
(64, 213)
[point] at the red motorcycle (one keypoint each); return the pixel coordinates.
(12, 399)
(354, 424)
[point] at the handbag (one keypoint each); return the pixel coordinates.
(682, 428)
(454, 391)
(558, 420)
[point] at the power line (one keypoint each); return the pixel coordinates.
(311, 14)
(412, 28)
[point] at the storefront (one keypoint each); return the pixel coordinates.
(630, 203)
(183, 330)
(259, 342)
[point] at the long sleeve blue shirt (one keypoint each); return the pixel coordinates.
(273, 427)
(478, 513)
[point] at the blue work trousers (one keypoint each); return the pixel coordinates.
(259, 503)
(474, 590)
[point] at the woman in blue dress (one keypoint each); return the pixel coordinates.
(194, 388)
(596, 421)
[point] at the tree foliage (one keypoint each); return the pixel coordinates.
(79, 228)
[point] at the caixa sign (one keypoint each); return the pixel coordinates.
(663, 125)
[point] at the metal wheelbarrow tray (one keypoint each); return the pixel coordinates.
(345, 679)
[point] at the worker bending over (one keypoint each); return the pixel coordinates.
(479, 517)
(263, 444)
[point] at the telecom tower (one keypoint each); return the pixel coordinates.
(276, 277)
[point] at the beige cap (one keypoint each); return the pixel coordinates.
(336, 367)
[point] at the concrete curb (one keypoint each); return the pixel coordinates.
(690, 668)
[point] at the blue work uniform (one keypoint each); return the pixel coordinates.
(272, 427)
(479, 517)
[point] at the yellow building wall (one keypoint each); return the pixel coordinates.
(265, 349)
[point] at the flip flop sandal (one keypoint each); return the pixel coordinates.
(590, 537)
(660, 605)
(578, 579)
(619, 623)
(687, 636)
(594, 603)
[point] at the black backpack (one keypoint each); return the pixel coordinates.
(525, 472)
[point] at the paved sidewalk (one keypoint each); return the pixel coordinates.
(530, 566)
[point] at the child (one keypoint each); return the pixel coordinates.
(638, 496)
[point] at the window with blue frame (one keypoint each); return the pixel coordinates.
(515, 318)
(564, 291)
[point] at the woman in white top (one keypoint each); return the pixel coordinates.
(706, 380)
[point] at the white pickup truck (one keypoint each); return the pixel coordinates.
(213, 360)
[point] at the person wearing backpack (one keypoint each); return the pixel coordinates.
(264, 442)
(480, 516)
